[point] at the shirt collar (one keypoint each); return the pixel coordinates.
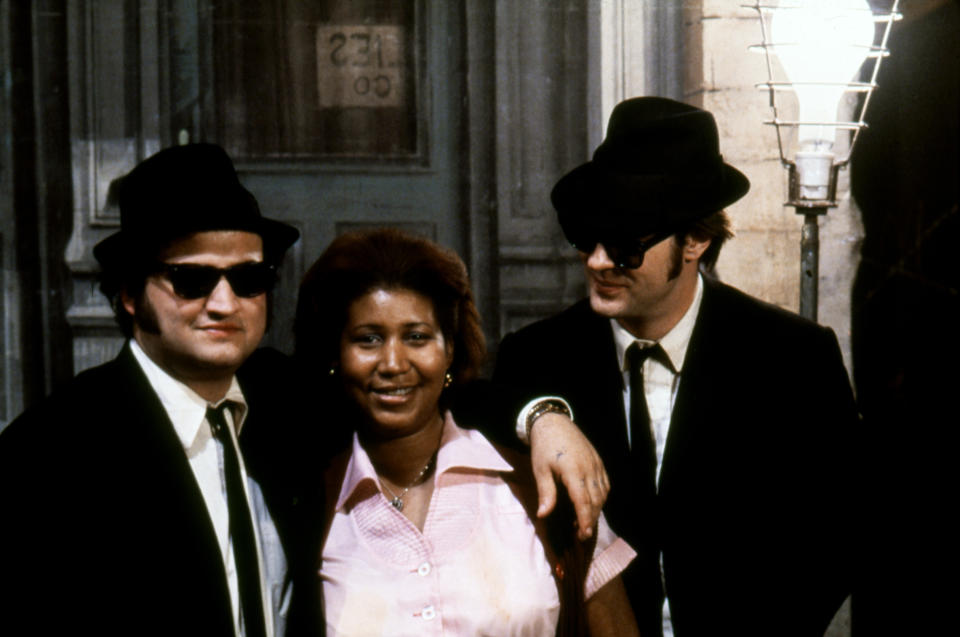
(459, 449)
(674, 342)
(186, 409)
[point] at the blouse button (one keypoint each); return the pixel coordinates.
(428, 613)
(424, 569)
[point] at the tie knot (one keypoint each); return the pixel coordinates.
(218, 422)
(637, 354)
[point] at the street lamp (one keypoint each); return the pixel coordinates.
(814, 49)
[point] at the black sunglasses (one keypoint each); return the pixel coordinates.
(194, 281)
(624, 254)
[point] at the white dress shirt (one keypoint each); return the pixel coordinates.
(187, 411)
(660, 378)
(660, 382)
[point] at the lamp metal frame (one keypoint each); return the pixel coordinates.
(813, 208)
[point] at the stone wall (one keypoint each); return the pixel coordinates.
(764, 258)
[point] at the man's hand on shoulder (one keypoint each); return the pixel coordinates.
(558, 448)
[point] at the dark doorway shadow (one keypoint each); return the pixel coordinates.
(906, 329)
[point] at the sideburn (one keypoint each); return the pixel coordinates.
(676, 260)
(145, 316)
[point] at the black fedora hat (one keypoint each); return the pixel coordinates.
(658, 170)
(177, 192)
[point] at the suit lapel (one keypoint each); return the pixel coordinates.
(697, 389)
(165, 478)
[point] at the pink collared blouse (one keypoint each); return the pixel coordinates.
(478, 567)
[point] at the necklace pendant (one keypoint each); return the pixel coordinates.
(397, 503)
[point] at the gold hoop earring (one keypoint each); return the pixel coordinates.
(447, 380)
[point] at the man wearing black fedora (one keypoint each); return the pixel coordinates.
(726, 424)
(127, 507)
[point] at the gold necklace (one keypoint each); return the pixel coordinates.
(397, 500)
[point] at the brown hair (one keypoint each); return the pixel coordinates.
(716, 229)
(359, 262)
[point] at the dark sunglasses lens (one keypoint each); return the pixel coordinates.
(193, 282)
(251, 279)
(197, 281)
(624, 257)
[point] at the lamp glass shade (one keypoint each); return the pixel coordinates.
(821, 45)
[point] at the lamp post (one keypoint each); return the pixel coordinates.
(820, 46)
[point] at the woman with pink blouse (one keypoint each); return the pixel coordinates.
(429, 529)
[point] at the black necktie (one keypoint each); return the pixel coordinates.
(643, 447)
(644, 577)
(241, 528)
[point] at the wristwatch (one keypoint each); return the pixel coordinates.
(537, 408)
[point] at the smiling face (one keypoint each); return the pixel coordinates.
(393, 358)
(204, 340)
(651, 299)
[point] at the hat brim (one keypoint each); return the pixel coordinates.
(592, 199)
(123, 248)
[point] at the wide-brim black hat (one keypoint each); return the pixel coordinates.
(659, 169)
(177, 192)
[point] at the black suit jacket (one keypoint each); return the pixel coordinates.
(753, 510)
(104, 528)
